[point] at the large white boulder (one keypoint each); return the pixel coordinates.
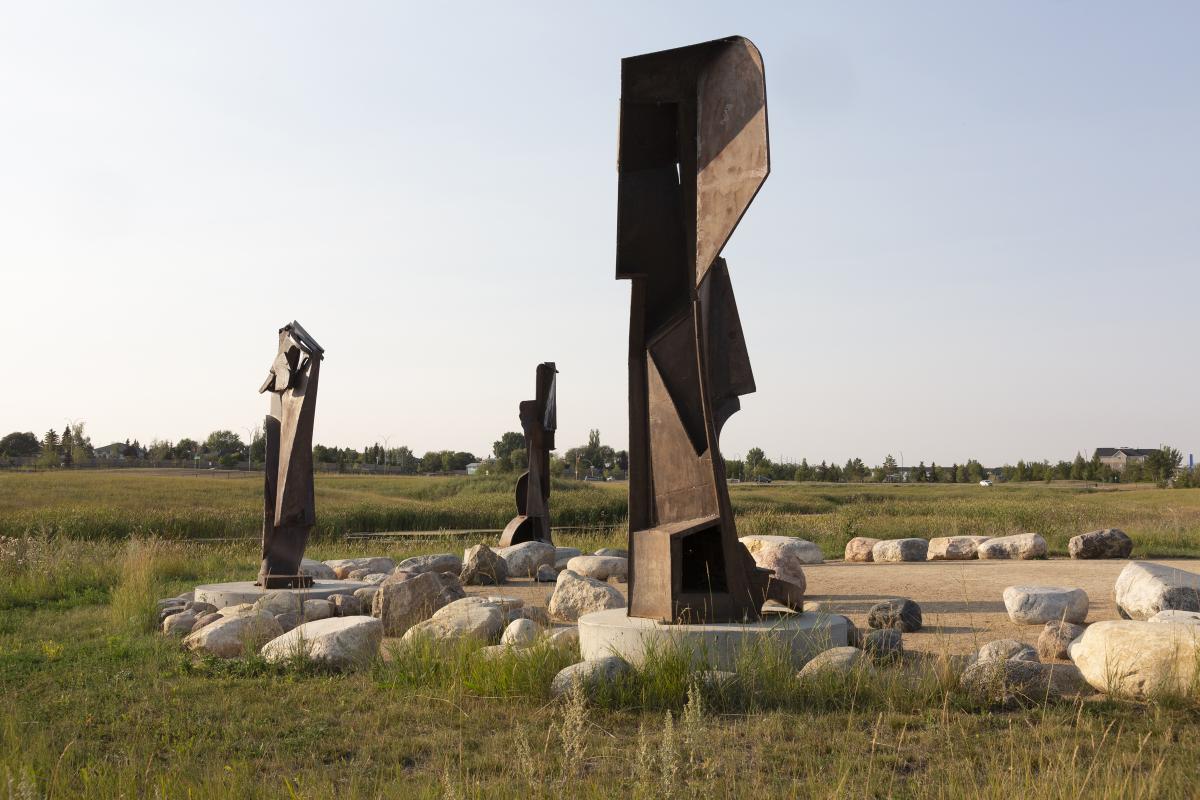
(600, 567)
(1019, 546)
(834, 661)
(337, 642)
(955, 548)
(524, 559)
(1037, 605)
(280, 601)
(893, 550)
(520, 633)
(471, 616)
(1144, 588)
(1138, 658)
(402, 604)
(785, 555)
(575, 595)
(342, 567)
(234, 635)
(590, 674)
(1171, 615)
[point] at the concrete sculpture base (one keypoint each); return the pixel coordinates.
(234, 592)
(611, 632)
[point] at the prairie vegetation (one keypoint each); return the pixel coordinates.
(94, 703)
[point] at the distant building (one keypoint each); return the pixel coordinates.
(114, 451)
(473, 467)
(1118, 457)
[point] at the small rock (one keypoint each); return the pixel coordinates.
(1007, 650)
(179, 624)
(200, 607)
(835, 661)
(600, 567)
(317, 609)
(901, 614)
(316, 570)
(576, 595)
(168, 611)
(1055, 638)
(1036, 605)
(860, 548)
(279, 602)
(893, 550)
(546, 574)
(884, 645)
(366, 595)
(1020, 546)
(1140, 659)
(1144, 588)
(563, 638)
(614, 552)
(170, 602)
(524, 559)
(342, 567)
(341, 642)
(358, 574)
(955, 548)
(232, 636)
(375, 578)
(590, 674)
(1107, 543)
(345, 605)
(562, 555)
(1014, 682)
(206, 619)
(438, 562)
(462, 618)
(520, 633)
(482, 566)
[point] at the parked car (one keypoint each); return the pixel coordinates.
(985, 482)
(762, 479)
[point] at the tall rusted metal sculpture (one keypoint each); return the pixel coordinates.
(288, 512)
(693, 154)
(539, 420)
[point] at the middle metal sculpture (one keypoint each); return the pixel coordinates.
(539, 420)
(693, 154)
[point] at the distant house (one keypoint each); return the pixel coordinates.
(473, 467)
(112, 451)
(1118, 457)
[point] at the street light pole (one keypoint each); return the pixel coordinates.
(385, 452)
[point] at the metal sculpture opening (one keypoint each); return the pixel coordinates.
(288, 511)
(539, 420)
(693, 154)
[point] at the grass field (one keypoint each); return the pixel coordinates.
(92, 704)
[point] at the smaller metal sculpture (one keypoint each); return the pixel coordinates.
(539, 419)
(288, 513)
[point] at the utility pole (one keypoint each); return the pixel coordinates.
(385, 452)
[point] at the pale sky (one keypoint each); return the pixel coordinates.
(979, 238)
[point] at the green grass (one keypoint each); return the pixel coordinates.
(94, 704)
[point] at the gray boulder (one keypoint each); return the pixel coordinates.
(468, 617)
(1007, 650)
(575, 595)
(345, 605)
(402, 604)
(1171, 615)
(206, 619)
(902, 614)
(1106, 543)
(894, 550)
(1012, 682)
(366, 595)
(1037, 605)
(564, 554)
(546, 574)
(317, 609)
(179, 623)
(884, 645)
(317, 570)
(835, 661)
(524, 559)
(1144, 588)
(1055, 638)
(341, 643)
(481, 566)
(289, 620)
(590, 674)
(563, 638)
(200, 607)
(232, 636)
(438, 562)
(280, 601)
(342, 567)
(1020, 546)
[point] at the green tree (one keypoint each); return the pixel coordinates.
(933, 472)
(222, 443)
(804, 472)
(507, 442)
(186, 449)
(66, 447)
(20, 445)
(1078, 468)
(754, 457)
(519, 459)
(1162, 463)
(889, 464)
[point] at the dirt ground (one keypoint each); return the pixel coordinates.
(961, 601)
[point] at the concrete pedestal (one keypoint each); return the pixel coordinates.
(234, 592)
(611, 632)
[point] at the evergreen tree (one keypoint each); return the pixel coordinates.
(50, 442)
(1078, 468)
(921, 472)
(933, 472)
